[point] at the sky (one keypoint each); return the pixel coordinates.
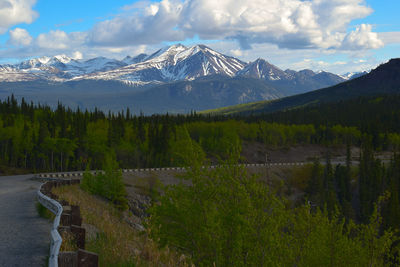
(333, 35)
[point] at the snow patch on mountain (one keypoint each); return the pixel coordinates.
(353, 75)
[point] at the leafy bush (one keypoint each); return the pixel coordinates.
(108, 184)
(44, 212)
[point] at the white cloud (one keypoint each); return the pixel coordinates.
(236, 52)
(390, 37)
(294, 24)
(77, 55)
(20, 37)
(152, 25)
(13, 12)
(136, 5)
(23, 46)
(286, 23)
(362, 38)
(60, 40)
(53, 40)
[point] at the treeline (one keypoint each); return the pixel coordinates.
(354, 190)
(40, 138)
(379, 117)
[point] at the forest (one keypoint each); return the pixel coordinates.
(38, 138)
(378, 116)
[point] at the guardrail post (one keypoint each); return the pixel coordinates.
(68, 259)
(79, 234)
(76, 218)
(87, 259)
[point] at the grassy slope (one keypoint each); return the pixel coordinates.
(109, 235)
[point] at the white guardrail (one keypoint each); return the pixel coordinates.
(79, 173)
(56, 239)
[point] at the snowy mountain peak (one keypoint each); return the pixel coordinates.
(167, 52)
(174, 63)
(63, 59)
(353, 75)
(261, 69)
(133, 60)
(44, 62)
(41, 60)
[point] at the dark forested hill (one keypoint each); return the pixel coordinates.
(385, 79)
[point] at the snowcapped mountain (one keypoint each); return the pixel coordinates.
(289, 81)
(57, 68)
(128, 60)
(173, 63)
(261, 69)
(353, 75)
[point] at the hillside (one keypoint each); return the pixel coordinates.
(175, 97)
(385, 79)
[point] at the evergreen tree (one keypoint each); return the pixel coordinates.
(315, 187)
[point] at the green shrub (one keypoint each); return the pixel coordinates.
(44, 212)
(108, 184)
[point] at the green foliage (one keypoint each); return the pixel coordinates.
(394, 141)
(300, 177)
(217, 139)
(184, 150)
(228, 218)
(371, 175)
(315, 185)
(108, 184)
(44, 212)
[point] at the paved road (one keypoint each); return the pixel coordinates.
(24, 236)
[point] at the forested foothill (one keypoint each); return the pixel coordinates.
(39, 138)
(349, 211)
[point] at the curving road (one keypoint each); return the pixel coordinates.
(24, 236)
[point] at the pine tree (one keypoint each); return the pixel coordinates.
(392, 209)
(315, 187)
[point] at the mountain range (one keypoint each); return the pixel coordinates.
(173, 79)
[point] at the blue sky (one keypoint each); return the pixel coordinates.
(332, 35)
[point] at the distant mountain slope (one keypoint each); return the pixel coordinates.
(289, 82)
(385, 79)
(203, 93)
(352, 75)
(57, 68)
(177, 97)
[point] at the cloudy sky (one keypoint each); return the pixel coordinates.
(334, 35)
